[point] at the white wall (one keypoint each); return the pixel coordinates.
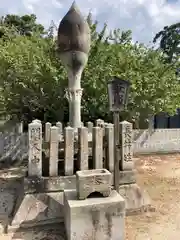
(156, 141)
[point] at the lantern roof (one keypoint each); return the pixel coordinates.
(116, 80)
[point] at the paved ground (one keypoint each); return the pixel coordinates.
(160, 176)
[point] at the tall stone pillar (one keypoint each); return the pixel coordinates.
(73, 47)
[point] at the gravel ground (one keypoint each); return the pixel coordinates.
(160, 176)
(54, 232)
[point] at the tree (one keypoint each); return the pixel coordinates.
(51, 30)
(32, 79)
(24, 25)
(170, 41)
(154, 86)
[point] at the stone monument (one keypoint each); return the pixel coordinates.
(73, 47)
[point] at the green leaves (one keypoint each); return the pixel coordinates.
(25, 25)
(30, 80)
(153, 83)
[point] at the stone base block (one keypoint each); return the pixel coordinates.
(127, 177)
(39, 209)
(137, 200)
(55, 184)
(94, 218)
(11, 188)
(95, 180)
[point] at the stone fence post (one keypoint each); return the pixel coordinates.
(89, 126)
(60, 127)
(68, 151)
(35, 149)
(47, 131)
(109, 147)
(19, 128)
(83, 150)
(97, 147)
(53, 155)
(99, 123)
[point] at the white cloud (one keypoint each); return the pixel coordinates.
(144, 17)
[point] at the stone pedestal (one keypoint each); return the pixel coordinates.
(96, 180)
(137, 200)
(94, 218)
(38, 209)
(127, 177)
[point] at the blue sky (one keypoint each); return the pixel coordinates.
(144, 17)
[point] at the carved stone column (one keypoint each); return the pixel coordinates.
(74, 40)
(74, 98)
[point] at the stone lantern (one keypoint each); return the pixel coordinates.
(118, 95)
(73, 47)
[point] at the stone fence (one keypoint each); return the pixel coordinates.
(14, 142)
(145, 141)
(87, 149)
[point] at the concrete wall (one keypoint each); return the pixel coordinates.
(156, 141)
(13, 141)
